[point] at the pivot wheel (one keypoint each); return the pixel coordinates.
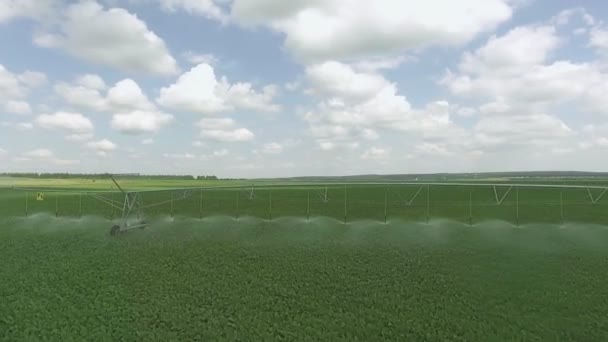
(115, 230)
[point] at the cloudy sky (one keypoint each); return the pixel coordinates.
(256, 88)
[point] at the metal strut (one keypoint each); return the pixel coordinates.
(411, 200)
(593, 199)
(501, 199)
(324, 196)
(132, 206)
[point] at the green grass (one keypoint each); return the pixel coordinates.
(221, 278)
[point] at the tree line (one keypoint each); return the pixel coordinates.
(45, 175)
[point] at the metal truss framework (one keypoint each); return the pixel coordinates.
(131, 208)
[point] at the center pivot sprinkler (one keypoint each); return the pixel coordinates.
(132, 212)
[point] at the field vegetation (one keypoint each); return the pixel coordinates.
(284, 264)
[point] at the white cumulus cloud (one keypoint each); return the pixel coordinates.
(518, 73)
(206, 8)
(140, 121)
(199, 91)
(200, 58)
(79, 137)
(345, 29)
(18, 107)
(224, 130)
(74, 122)
(91, 81)
(506, 131)
(599, 39)
(33, 79)
(354, 105)
(17, 86)
(34, 9)
(81, 96)
(102, 145)
(132, 111)
(112, 37)
(10, 87)
(127, 95)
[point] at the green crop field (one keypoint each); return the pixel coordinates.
(297, 262)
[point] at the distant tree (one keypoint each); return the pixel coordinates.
(94, 176)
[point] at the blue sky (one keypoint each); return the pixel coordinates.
(264, 88)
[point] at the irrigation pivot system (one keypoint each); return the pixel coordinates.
(131, 208)
(381, 202)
